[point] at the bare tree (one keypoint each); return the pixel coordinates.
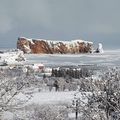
(12, 81)
(44, 112)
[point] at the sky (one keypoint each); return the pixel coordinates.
(92, 20)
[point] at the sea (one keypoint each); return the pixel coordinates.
(108, 58)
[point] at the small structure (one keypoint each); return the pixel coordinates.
(38, 67)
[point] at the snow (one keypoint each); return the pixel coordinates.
(7, 116)
(45, 97)
(65, 97)
(73, 115)
(12, 57)
(79, 40)
(21, 97)
(42, 98)
(31, 41)
(54, 97)
(56, 41)
(67, 43)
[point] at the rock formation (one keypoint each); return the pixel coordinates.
(38, 46)
(100, 48)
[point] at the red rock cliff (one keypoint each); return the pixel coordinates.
(50, 47)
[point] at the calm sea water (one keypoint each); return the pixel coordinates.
(111, 58)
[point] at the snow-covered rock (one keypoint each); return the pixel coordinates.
(27, 48)
(100, 48)
(50, 46)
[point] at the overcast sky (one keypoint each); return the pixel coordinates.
(92, 20)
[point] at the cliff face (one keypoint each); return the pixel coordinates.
(50, 47)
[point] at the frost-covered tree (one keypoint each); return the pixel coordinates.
(12, 82)
(104, 101)
(43, 112)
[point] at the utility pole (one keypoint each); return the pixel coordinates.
(75, 104)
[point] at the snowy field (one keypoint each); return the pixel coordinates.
(107, 58)
(53, 97)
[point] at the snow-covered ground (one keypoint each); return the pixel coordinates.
(54, 97)
(60, 97)
(12, 57)
(107, 58)
(45, 97)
